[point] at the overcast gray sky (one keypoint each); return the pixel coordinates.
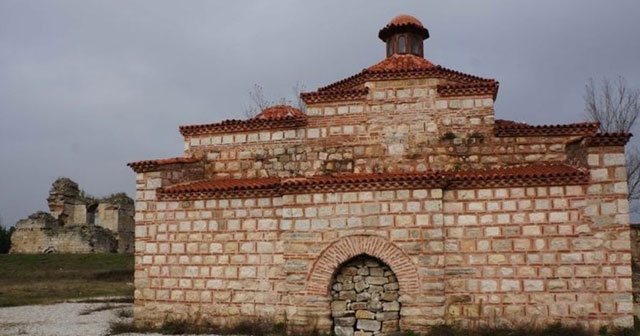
(87, 86)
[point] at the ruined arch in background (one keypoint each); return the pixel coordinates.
(346, 248)
(92, 214)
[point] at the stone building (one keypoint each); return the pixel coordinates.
(395, 201)
(77, 223)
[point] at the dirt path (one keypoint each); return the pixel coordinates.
(63, 319)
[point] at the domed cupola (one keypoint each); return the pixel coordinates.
(404, 34)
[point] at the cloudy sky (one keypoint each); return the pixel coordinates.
(87, 86)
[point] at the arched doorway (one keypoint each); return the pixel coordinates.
(364, 298)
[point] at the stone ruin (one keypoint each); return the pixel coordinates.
(77, 223)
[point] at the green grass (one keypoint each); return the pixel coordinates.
(48, 278)
(256, 326)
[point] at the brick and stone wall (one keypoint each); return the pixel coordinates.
(401, 172)
(459, 255)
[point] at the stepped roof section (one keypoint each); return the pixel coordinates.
(403, 62)
(275, 117)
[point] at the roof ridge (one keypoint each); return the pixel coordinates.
(143, 166)
(508, 128)
(236, 125)
(348, 83)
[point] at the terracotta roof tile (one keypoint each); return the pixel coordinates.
(608, 139)
(397, 67)
(348, 182)
(524, 175)
(403, 19)
(507, 128)
(228, 126)
(535, 174)
(333, 96)
(239, 187)
(401, 62)
(400, 23)
(472, 89)
(152, 165)
(280, 111)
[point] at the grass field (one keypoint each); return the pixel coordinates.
(48, 278)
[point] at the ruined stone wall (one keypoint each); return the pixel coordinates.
(77, 223)
(41, 233)
(118, 218)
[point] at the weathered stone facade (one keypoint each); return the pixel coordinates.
(404, 166)
(77, 224)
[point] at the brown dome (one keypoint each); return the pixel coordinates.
(404, 19)
(279, 112)
(403, 23)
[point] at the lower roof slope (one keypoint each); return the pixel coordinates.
(525, 175)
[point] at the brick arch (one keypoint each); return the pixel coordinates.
(348, 247)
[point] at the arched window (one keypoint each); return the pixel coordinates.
(415, 45)
(402, 45)
(389, 47)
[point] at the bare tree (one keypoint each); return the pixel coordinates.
(260, 102)
(633, 173)
(297, 90)
(616, 107)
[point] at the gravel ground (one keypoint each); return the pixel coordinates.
(63, 319)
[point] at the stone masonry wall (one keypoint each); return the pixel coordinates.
(635, 256)
(55, 239)
(364, 298)
(402, 126)
(459, 255)
(476, 254)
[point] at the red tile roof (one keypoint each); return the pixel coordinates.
(398, 67)
(608, 139)
(350, 182)
(507, 128)
(529, 175)
(524, 175)
(401, 62)
(404, 19)
(472, 89)
(403, 23)
(280, 111)
(332, 96)
(153, 165)
(227, 187)
(228, 126)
